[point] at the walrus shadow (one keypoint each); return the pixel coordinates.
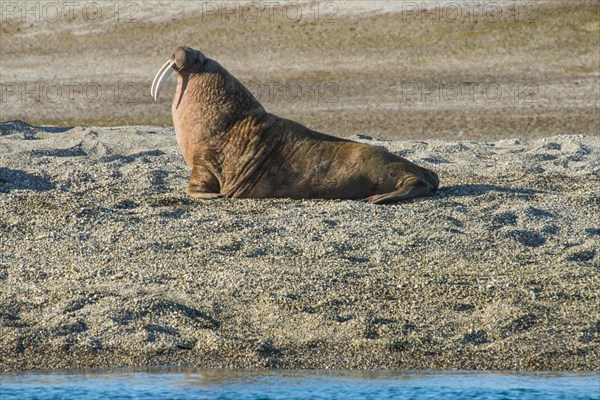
(12, 179)
(476, 190)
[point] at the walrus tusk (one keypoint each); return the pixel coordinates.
(160, 78)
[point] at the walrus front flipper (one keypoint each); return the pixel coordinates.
(411, 187)
(203, 184)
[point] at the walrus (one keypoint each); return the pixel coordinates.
(235, 148)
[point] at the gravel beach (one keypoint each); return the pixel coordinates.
(106, 262)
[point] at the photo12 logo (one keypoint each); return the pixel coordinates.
(293, 92)
(455, 11)
(70, 92)
(69, 11)
(468, 92)
(269, 11)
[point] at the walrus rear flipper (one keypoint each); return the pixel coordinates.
(412, 187)
(203, 184)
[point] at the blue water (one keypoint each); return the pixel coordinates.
(189, 383)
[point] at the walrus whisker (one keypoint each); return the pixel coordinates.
(164, 73)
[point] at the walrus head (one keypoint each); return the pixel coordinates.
(208, 100)
(183, 60)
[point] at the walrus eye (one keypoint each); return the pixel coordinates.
(160, 78)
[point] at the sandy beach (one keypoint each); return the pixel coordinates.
(105, 262)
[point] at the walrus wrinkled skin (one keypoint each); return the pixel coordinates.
(237, 149)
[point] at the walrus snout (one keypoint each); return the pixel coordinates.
(185, 58)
